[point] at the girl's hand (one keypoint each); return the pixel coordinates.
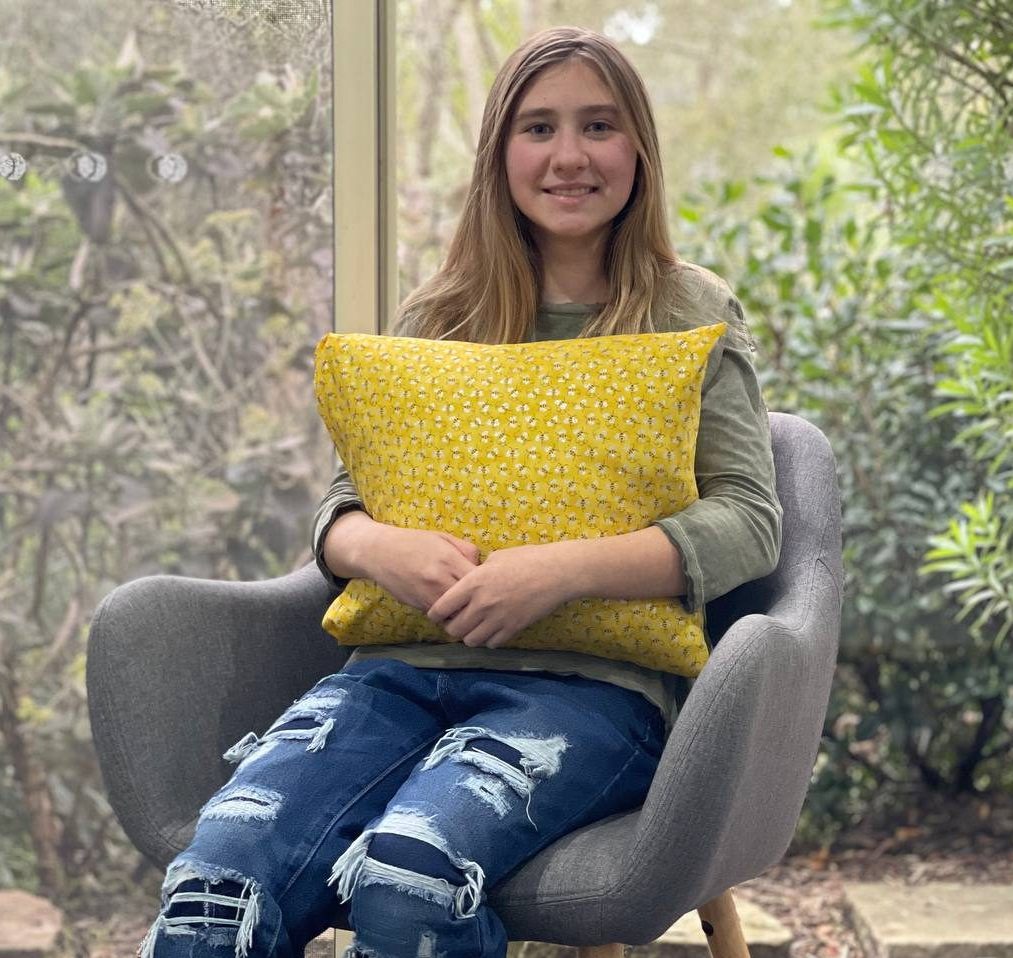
(417, 566)
(494, 601)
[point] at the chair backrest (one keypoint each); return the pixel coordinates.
(807, 489)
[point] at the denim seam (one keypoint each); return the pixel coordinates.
(442, 686)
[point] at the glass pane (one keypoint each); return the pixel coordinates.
(166, 267)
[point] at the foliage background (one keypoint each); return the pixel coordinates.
(845, 164)
(155, 413)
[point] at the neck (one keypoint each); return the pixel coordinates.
(573, 273)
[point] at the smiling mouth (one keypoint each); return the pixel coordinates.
(566, 195)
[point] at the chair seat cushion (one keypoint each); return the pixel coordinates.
(517, 444)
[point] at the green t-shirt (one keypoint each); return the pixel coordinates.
(730, 535)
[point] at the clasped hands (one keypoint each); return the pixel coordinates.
(496, 600)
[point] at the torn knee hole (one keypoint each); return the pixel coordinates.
(414, 855)
(312, 730)
(501, 750)
(199, 898)
(310, 718)
(244, 803)
(532, 756)
(204, 899)
(312, 710)
(491, 791)
(517, 761)
(405, 851)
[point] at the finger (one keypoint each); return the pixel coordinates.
(433, 613)
(499, 639)
(442, 609)
(468, 550)
(478, 636)
(455, 622)
(453, 599)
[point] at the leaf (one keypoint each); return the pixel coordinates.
(895, 140)
(962, 584)
(863, 109)
(981, 596)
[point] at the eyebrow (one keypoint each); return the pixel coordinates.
(609, 108)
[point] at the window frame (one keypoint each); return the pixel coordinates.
(365, 167)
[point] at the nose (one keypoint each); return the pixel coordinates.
(570, 153)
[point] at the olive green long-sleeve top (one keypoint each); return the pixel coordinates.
(731, 534)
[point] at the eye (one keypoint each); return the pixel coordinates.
(600, 123)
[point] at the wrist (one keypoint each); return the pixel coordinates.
(570, 571)
(347, 550)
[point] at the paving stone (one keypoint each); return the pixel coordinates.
(764, 934)
(29, 925)
(937, 920)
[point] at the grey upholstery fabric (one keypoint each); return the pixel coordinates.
(180, 669)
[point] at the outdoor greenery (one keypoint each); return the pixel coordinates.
(156, 337)
(934, 121)
(884, 297)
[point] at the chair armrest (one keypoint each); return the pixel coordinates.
(724, 802)
(173, 659)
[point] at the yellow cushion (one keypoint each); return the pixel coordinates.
(521, 443)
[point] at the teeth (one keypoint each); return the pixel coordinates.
(586, 189)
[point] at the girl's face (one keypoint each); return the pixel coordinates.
(567, 131)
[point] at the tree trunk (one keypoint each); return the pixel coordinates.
(43, 825)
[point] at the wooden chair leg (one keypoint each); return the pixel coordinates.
(600, 951)
(720, 922)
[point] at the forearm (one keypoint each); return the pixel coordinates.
(635, 565)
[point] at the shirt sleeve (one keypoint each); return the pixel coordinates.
(339, 499)
(732, 533)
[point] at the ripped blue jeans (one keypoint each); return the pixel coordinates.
(389, 799)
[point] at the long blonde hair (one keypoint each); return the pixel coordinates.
(487, 290)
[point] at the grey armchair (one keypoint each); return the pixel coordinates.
(179, 669)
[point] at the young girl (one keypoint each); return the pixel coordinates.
(433, 771)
